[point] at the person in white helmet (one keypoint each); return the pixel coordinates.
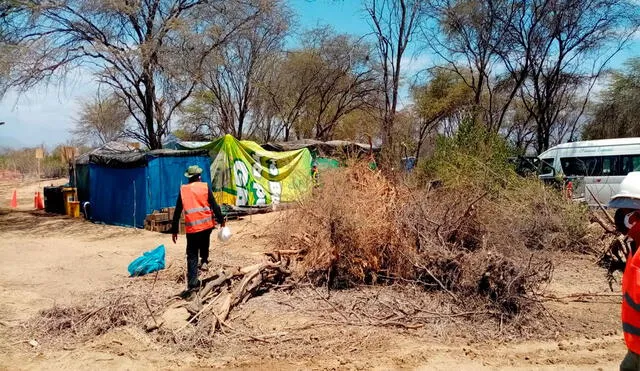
(627, 219)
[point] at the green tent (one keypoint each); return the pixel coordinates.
(245, 174)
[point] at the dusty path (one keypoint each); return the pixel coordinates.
(54, 260)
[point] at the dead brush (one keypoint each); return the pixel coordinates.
(469, 243)
(129, 306)
(175, 272)
(348, 230)
(90, 320)
(528, 214)
(511, 284)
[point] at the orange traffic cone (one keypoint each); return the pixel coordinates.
(37, 201)
(40, 204)
(14, 200)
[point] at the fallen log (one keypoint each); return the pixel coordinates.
(595, 218)
(229, 287)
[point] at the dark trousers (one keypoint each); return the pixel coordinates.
(197, 245)
(631, 362)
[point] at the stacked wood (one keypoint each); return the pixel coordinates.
(160, 221)
(226, 288)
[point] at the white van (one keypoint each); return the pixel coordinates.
(602, 163)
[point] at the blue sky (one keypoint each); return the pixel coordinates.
(45, 114)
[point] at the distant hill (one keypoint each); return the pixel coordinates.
(10, 142)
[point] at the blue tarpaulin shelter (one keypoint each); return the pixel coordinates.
(122, 188)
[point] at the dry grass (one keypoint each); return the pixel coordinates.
(91, 320)
(126, 306)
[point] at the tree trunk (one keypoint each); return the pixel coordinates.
(387, 140)
(240, 124)
(418, 148)
(149, 92)
(543, 136)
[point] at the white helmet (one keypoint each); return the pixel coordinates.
(629, 196)
(225, 234)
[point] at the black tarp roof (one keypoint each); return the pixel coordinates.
(111, 148)
(132, 158)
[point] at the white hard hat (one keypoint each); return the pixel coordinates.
(225, 234)
(629, 196)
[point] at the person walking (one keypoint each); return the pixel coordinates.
(199, 207)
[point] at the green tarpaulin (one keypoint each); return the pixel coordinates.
(327, 163)
(245, 174)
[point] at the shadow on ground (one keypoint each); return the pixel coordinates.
(48, 224)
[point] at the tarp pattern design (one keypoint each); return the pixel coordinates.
(244, 174)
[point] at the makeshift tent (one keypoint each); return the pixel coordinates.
(124, 187)
(82, 165)
(245, 174)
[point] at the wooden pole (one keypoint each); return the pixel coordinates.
(600, 206)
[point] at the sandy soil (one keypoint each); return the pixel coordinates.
(49, 260)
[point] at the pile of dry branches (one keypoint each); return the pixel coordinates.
(97, 316)
(347, 231)
(146, 304)
(221, 291)
(360, 228)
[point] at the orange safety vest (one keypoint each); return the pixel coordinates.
(631, 299)
(197, 211)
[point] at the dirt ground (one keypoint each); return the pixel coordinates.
(54, 260)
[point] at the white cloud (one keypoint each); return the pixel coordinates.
(411, 65)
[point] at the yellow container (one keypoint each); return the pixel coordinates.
(74, 209)
(68, 195)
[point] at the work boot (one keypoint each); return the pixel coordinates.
(189, 294)
(204, 267)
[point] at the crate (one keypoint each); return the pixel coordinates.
(158, 217)
(169, 211)
(154, 226)
(161, 221)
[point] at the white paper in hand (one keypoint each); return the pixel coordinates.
(224, 234)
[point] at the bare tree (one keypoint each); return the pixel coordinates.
(10, 53)
(236, 71)
(150, 52)
(102, 119)
(318, 85)
(475, 39)
(394, 23)
(345, 81)
(577, 39)
(444, 97)
(291, 87)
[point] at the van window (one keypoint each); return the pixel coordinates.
(630, 163)
(546, 166)
(610, 166)
(581, 166)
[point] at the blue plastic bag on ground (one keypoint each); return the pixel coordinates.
(149, 262)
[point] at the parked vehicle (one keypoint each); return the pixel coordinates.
(600, 165)
(525, 165)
